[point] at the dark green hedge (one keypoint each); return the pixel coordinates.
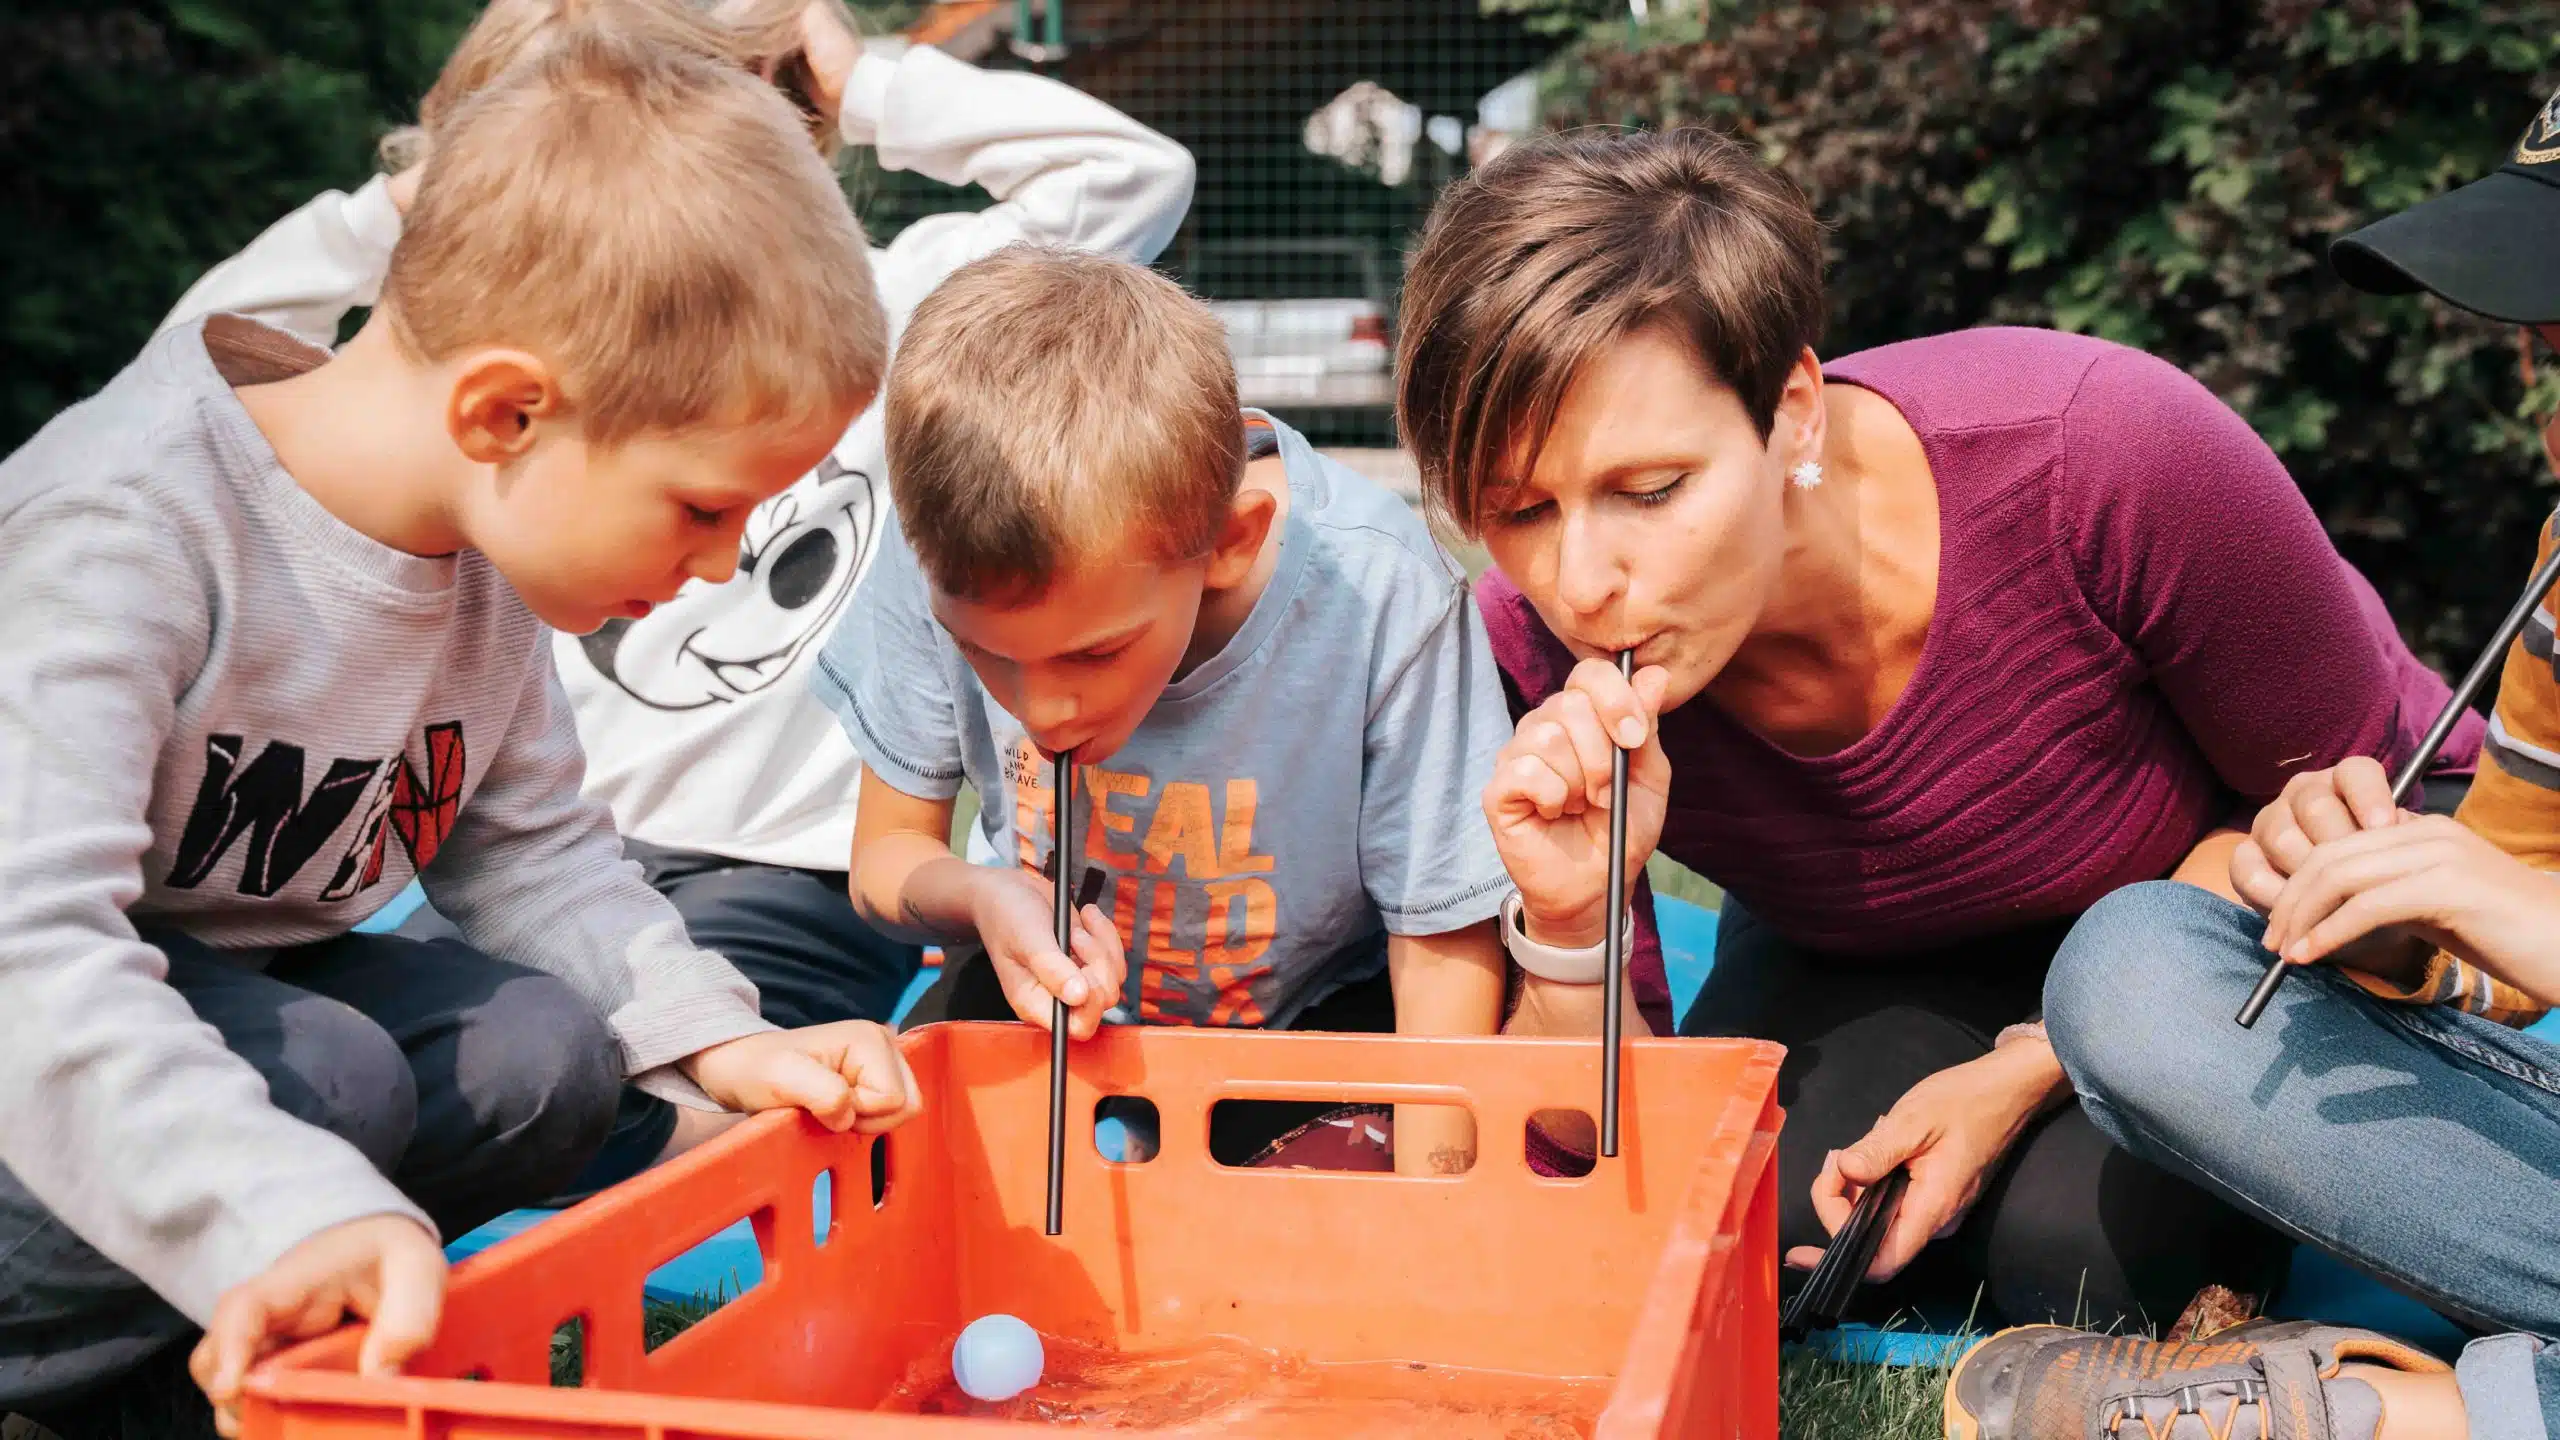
(2166, 173)
(141, 143)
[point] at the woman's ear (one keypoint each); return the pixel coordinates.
(497, 396)
(1239, 543)
(1797, 432)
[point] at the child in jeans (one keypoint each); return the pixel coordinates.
(1272, 680)
(276, 630)
(2384, 1108)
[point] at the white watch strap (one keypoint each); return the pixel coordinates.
(1585, 966)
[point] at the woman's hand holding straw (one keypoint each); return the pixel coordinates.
(1614, 939)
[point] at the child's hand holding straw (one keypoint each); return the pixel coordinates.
(2316, 808)
(1011, 911)
(2432, 881)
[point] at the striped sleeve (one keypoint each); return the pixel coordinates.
(2514, 803)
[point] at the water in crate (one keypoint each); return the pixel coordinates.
(1231, 1388)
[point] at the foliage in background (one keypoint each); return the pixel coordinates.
(2165, 174)
(1557, 17)
(141, 143)
(2156, 171)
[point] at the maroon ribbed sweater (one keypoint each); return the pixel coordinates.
(2141, 632)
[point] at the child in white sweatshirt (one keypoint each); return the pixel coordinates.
(732, 786)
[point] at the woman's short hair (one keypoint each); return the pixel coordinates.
(1562, 246)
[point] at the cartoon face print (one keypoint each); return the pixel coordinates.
(717, 644)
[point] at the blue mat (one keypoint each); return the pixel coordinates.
(390, 916)
(723, 1266)
(2317, 1287)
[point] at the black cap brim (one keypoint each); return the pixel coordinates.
(2491, 247)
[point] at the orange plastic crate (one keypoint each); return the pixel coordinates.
(1658, 1271)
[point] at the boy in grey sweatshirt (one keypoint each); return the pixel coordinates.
(274, 622)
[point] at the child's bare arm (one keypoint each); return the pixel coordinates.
(904, 878)
(1444, 985)
(906, 881)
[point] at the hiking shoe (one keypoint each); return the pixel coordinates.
(2265, 1380)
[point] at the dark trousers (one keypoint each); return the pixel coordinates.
(2069, 1227)
(793, 933)
(476, 1085)
(1240, 1131)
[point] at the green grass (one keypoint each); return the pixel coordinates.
(1678, 881)
(659, 1323)
(1823, 1400)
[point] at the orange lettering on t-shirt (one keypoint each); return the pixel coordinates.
(1229, 950)
(1161, 951)
(1182, 831)
(1235, 844)
(1100, 786)
(1124, 917)
(1159, 997)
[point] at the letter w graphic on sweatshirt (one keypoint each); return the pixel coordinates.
(265, 802)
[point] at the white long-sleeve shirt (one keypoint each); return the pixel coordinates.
(699, 726)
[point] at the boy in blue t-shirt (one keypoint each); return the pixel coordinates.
(1276, 687)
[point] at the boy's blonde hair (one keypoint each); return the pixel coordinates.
(761, 37)
(655, 227)
(1049, 406)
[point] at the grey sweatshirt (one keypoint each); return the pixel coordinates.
(225, 712)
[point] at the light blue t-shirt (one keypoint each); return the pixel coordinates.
(1313, 787)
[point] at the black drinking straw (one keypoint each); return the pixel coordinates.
(2407, 780)
(1614, 944)
(1824, 1297)
(1062, 791)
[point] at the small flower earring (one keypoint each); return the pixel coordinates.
(1808, 475)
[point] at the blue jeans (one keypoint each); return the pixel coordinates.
(2418, 1144)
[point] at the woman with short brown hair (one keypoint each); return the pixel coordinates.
(1937, 644)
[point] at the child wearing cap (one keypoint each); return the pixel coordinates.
(2384, 1109)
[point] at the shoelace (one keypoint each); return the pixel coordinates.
(2190, 1402)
